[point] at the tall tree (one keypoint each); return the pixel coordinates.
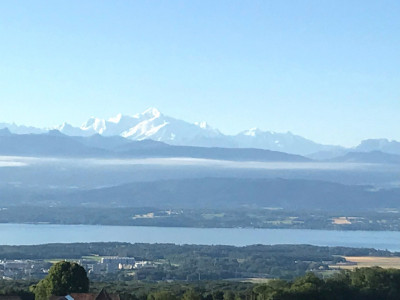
(64, 277)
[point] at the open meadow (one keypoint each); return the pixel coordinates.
(368, 261)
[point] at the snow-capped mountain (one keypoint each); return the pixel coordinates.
(285, 142)
(152, 124)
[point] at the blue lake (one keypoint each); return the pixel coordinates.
(30, 234)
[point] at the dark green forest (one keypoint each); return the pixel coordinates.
(220, 272)
(362, 284)
(194, 262)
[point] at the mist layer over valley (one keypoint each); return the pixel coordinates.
(55, 178)
(195, 192)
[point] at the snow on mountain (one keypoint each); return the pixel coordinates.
(156, 126)
(152, 124)
(68, 129)
(286, 142)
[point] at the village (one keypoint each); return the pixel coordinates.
(38, 269)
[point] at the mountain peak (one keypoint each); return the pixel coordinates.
(384, 145)
(95, 123)
(116, 119)
(151, 112)
(5, 132)
(55, 132)
(252, 131)
(63, 126)
(203, 125)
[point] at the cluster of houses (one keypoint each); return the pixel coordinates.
(22, 269)
(115, 264)
(26, 269)
(102, 295)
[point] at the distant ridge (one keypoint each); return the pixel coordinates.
(235, 193)
(154, 125)
(383, 145)
(375, 157)
(56, 144)
(5, 132)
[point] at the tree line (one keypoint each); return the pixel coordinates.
(361, 284)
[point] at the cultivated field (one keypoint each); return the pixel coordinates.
(368, 261)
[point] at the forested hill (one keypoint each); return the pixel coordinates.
(158, 251)
(186, 262)
(234, 193)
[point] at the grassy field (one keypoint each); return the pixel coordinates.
(250, 280)
(369, 261)
(91, 257)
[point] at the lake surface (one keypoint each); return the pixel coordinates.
(30, 234)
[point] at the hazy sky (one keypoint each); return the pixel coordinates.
(327, 70)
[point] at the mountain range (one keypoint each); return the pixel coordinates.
(153, 125)
(56, 144)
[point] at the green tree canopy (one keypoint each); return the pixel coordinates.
(64, 277)
(161, 295)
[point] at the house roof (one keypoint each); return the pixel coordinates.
(103, 295)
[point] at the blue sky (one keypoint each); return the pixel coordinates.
(327, 70)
